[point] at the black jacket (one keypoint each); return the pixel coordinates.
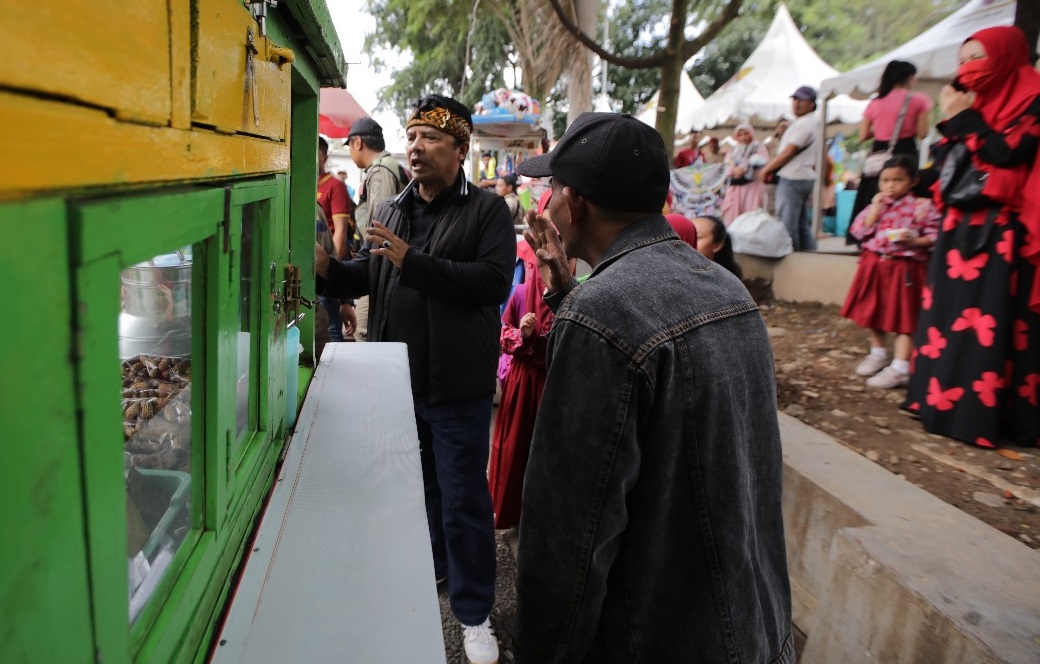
(465, 274)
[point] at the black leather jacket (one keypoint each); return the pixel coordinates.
(651, 528)
(465, 276)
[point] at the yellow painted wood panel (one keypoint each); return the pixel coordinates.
(221, 97)
(93, 149)
(180, 69)
(114, 54)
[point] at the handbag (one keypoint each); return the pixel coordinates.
(875, 161)
(961, 183)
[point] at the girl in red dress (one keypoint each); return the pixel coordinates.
(897, 231)
(526, 323)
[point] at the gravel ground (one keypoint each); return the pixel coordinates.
(503, 615)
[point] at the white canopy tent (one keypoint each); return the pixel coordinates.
(933, 52)
(760, 91)
(689, 101)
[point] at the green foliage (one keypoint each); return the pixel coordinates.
(723, 56)
(847, 34)
(434, 33)
(636, 29)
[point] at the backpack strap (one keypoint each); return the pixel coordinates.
(397, 179)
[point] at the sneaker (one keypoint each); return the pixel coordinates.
(871, 364)
(888, 378)
(480, 643)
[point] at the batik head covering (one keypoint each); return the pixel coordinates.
(443, 114)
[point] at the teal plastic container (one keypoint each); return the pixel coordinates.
(846, 199)
(292, 374)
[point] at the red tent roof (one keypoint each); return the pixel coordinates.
(337, 111)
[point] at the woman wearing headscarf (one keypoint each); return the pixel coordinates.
(976, 374)
(745, 191)
(879, 120)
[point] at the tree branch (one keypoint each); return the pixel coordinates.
(721, 20)
(655, 60)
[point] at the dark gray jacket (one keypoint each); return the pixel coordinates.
(465, 275)
(651, 527)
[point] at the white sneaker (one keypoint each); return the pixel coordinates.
(888, 378)
(480, 643)
(871, 364)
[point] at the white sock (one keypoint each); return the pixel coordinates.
(879, 351)
(902, 366)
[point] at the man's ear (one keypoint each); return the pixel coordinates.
(463, 151)
(577, 206)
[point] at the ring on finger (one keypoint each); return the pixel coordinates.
(386, 244)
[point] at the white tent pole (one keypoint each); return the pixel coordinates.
(821, 157)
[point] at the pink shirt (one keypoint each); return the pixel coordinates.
(883, 113)
(917, 214)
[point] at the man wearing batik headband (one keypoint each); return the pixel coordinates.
(437, 262)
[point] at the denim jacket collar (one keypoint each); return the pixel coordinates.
(642, 233)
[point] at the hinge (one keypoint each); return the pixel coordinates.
(259, 9)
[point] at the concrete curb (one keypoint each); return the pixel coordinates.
(882, 571)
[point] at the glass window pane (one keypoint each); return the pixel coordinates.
(155, 338)
(245, 411)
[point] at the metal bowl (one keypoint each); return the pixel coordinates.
(159, 288)
(139, 335)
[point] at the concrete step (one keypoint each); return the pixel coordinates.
(883, 571)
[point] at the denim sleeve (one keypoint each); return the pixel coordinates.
(485, 280)
(584, 460)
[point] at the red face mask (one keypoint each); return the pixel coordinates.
(976, 75)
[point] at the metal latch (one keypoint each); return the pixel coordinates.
(291, 295)
(259, 9)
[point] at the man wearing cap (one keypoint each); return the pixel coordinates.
(795, 164)
(651, 526)
(436, 263)
(380, 179)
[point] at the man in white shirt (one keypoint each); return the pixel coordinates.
(795, 165)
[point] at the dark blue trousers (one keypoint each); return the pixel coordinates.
(454, 440)
(331, 305)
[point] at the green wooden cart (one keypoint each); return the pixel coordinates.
(157, 215)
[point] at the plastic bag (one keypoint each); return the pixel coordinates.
(758, 233)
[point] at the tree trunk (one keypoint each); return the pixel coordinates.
(1027, 17)
(668, 96)
(579, 72)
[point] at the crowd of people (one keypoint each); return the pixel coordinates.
(637, 491)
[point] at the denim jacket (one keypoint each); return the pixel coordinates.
(651, 527)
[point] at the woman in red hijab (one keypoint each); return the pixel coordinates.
(976, 373)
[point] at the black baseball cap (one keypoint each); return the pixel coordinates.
(366, 126)
(612, 159)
